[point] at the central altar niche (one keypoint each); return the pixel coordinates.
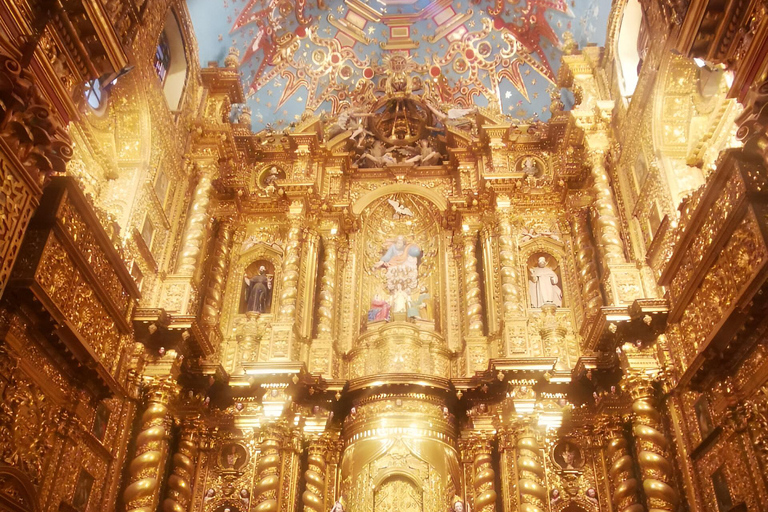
(400, 288)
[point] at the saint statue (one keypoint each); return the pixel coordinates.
(422, 307)
(258, 291)
(543, 285)
(379, 309)
(400, 300)
(339, 505)
(458, 505)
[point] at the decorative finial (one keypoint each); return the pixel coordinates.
(232, 60)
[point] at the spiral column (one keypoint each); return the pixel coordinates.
(145, 470)
(179, 492)
(314, 476)
(327, 287)
(197, 220)
(472, 280)
(530, 473)
(608, 226)
(621, 472)
(268, 471)
(484, 477)
(512, 297)
(585, 260)
(290, 271)
(651, 447)
(217, 275)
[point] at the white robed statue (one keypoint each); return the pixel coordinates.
(543, 284)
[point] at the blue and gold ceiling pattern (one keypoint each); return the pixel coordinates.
(308, 55)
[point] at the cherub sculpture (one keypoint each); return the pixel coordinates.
(423, 154)
(378, 156)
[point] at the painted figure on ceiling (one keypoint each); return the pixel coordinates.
(258, 291)
(543, 285)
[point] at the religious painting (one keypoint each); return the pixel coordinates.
(100, 422)
(568, 456)
(258, 284)
(398, 247)
(544, 280)
(722, 492)
(703, 418)
(233, 457)
(82, 491)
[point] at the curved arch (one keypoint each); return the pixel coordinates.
(385, 474)
(18, 491)
(361, 204)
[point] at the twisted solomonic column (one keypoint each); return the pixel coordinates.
(290, 271)
(472, 280)
(268, 471)
(585, 260)
(621, 472)
(327, 287)
(608, 226)
(179, 492)
(142, 493)
(512, 297)
(197, 221)
(530, 473)
(314, 476)
(485, 477)
(652, 448)
(217, 276)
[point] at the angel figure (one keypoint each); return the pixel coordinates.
(458, 505)
(339, 505)
(378, 156)
(454, 117)
(423, 153)
(349, 120)
(399, 209)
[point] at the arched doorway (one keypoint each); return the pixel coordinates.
(17, 494)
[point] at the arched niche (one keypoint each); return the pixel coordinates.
(402, 252)
(554, 251)
(259, 254)
(174, 79)
(367, 199)
(629, 47)
(17, 493)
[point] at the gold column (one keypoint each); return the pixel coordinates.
(508, 468)
(530, 472)
(607, 223)
(314, 476)
(290, 271)
(490, 261)
(327, 287)
(307, 286)
(472, 283)
(194, 234)
(651, 446)
(485, 476)
(585, 259)
(512, 297)
(180, 482)
(621, 473)
(145, 470)
(217, 276)
(268, 470)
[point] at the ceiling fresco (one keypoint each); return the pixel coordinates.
(310, 55)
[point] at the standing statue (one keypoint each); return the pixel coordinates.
(543, 285)
(258, 291)
(422, 307)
